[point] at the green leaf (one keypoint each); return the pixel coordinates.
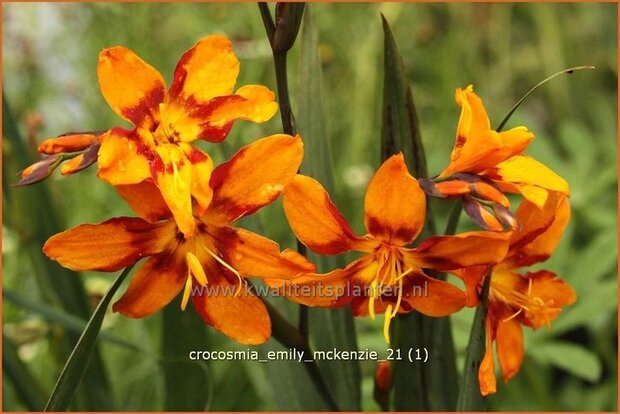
(569, 357)
(329, 328)
(66, 320)
(34, 217)
(75, 368)
(186, 382)
(417, 386)
(401, 128)
(410, 392)
(311, 120)
(26, 385)
(469, 398)
(306, 389)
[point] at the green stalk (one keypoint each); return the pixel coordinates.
(568, 71)
(469, 398)
(453, 219)
(286, 112)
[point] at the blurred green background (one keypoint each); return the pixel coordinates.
(49, 81)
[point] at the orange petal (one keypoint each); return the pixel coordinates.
(67, 143)
(433, 297)
(201, 169)
(213, 120)
(108, 246)
(509, 344)
(472, 277)
(145, 200)
(315, 220)
(395, 206)
(154, 285)
(526, 171)
(473, 248)
(174, 180)
(477, 147)
(251, 103)
(122, 159)
(486, 372)
(254, 255)
(131, 87)
(207, 70)
(541, 230)
(242, 317)
(254, 177)
(473, 118)
(553, 292)
(334, 289)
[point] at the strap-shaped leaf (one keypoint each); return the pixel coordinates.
(75, 368)
(27, 387)
(186, 382)
(329, 328)
(401, 128)
(417, 386)
(31, 212)
(66, 320)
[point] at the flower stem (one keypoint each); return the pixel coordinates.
(286, 113)
(453, 220)
(469, 398)
(568, 71)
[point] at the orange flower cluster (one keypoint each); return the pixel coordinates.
(187, 209)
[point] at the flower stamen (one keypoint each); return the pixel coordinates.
(227, 266)
(186, 292)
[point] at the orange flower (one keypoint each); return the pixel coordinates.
(533, 299)
(484, 163)
(199, 105)
(217, 256)
(389, 277)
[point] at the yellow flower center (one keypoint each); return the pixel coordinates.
(165, 131)
(504, 291)
(196, 247)
(390, 275)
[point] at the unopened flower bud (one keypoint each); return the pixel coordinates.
(288, 20)
(40, 170)
(481, 215)
(383, 384)
(67, 143)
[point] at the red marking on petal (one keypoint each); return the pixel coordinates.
(148, 108)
